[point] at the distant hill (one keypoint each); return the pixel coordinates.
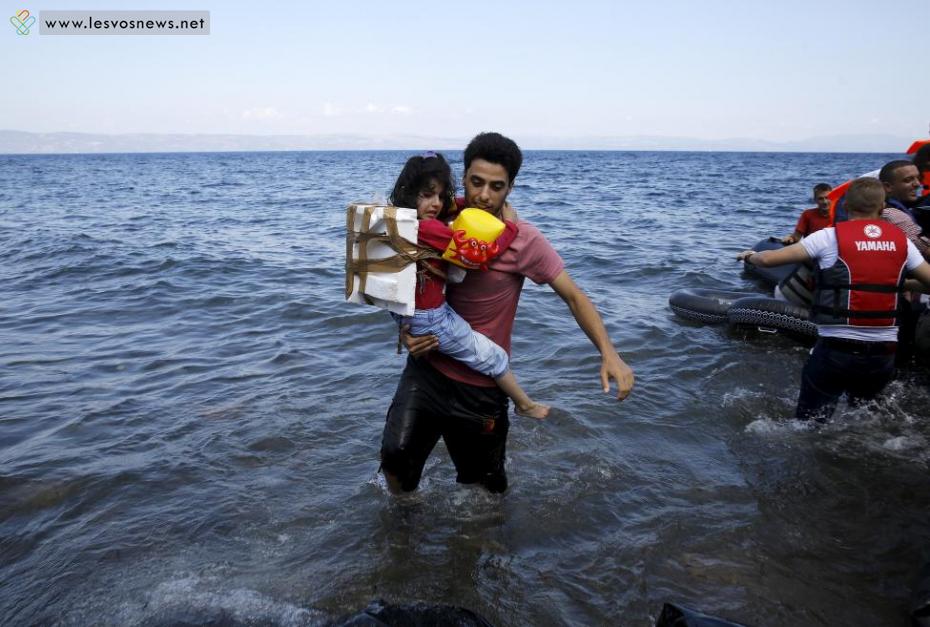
(21, 142)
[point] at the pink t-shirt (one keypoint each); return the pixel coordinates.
(488, 300)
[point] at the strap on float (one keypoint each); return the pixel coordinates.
(407, 251)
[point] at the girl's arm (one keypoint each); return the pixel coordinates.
(436, 234)
(509, 213)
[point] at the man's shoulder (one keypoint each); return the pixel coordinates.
(529, 233)
(530, 255)
(894, 212)
(812, 214)
(530, 240)
(817, 242)
(826, 233)
(894, 203)
(900, 219)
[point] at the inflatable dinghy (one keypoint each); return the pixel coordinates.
(704, 305)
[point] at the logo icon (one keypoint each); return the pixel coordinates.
(873, 231)
(22, 22)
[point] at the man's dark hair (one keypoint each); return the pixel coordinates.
(922, 158)
(495, 148)
(416, 176)
(822, 187)
(886, 175)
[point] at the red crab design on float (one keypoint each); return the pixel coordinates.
(473, 252)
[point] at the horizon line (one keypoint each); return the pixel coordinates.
(16, 142)
(295, 150)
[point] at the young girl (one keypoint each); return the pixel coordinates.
(426, 183)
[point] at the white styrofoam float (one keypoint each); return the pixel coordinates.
(392, 290)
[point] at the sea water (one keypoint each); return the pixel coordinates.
(190, 414)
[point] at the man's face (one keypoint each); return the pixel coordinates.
(486, 186)
(905, 184)
(823, 201)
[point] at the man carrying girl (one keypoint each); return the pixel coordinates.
(439, 397)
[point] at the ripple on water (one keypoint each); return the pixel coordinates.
(184, 388)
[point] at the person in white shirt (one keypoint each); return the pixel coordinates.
(862, 266)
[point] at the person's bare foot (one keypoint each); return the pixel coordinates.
(533, 410)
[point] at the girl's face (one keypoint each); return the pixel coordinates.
(429, 200)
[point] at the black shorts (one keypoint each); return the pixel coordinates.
(472, 420)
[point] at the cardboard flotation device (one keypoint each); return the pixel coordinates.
(474, 235)
(381, 256)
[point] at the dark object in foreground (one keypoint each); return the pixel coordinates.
(920, 603)
(382, 614)
(678, 616)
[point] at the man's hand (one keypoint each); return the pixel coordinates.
(612, 367)
(796, 253)
(789, 239)
(585, 314)
(418, 345)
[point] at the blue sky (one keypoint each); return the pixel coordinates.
(713, 69)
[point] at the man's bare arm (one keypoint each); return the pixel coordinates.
(587, 317)
(796, 253)
(913, 285)
(922, 274)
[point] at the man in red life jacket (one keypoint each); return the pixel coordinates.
(863, 262)
(437, 397)
(812, 220)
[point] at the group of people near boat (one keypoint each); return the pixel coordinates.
(457, 379)
(871, 252)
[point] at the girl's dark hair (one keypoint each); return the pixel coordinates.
(416, 176)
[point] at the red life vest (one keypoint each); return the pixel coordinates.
(862, 288)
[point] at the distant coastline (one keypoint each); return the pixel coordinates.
(24, 142)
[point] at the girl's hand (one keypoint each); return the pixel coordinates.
(509, 213)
